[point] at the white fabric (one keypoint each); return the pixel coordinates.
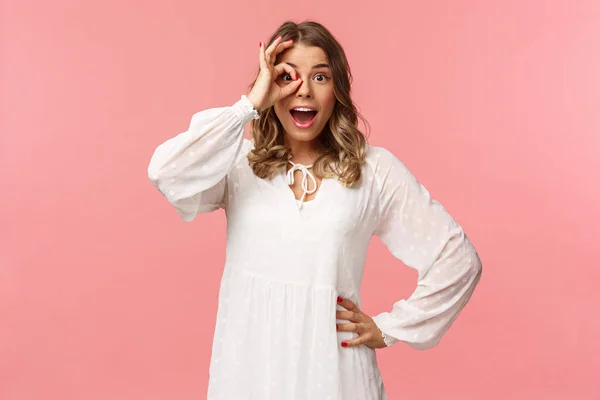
(275, 335)
(387, 339)
(305, 175)
(303, 203)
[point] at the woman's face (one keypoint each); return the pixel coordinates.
(316, 92)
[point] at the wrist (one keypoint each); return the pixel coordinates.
(254, 102)
(387, 339)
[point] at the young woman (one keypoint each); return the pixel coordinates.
(303, 200)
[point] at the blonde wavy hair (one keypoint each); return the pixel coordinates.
(342, 146)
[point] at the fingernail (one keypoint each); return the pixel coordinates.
(336, 327)
(278, 36)
(339, 299)
(259, 44)
(344, 344)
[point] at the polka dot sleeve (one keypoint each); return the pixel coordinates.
(191, 169)
(419, 231)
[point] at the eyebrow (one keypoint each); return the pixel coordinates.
(314, 67)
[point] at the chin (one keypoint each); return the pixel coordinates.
(302, 135)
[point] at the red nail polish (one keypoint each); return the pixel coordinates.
(337, 327)
(278, 36)
(344, 344)
(339, 299)
(259, 44)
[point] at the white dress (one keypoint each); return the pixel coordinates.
(275, 335)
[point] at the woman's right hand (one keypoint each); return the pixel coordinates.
(266, 91)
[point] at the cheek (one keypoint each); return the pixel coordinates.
(328, 102)
(280, 111)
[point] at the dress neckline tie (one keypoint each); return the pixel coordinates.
(305, 175)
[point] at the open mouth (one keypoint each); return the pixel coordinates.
(303, 119)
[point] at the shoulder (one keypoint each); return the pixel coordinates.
(382, 161)
(375, 153)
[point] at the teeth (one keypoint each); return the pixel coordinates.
(303, 109)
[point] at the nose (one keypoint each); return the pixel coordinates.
(304, 90)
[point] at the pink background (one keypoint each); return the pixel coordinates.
(106, 294)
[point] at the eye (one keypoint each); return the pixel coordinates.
(285, 74)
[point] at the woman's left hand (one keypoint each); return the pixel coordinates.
(361, 323)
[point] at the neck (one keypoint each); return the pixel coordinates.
(302, 152)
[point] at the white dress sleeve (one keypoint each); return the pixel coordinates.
(419, 231)
(191, 169)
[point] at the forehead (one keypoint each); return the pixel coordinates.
(304, 56)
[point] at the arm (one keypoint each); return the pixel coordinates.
(420, 232)
(190, 169)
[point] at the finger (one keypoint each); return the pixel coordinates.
(355, 342)
(348, 315)
(291, 88)
(271, 48)
(261, 56)
(281, 47)
(278, 49)
(281, 67)
(343, 315)
(351, 327)
(347, 304)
